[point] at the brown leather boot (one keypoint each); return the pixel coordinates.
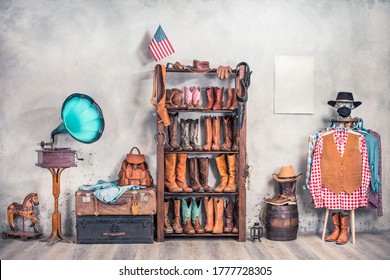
(227, 133)
(218, 98)
(185, 135)
(236, 139)
(229, 98)
(173, 132)
(186, 213)
(210, 98)
(229, 217)
(208, 131)
(167, 225)
(169, 173)
(236, 226)
(231, 185)
(336, 230)
(218, 215)
(223, 173)
(194, 175)
(209, 211)
(167, 147)
(287, 196)
(194, 132)
(234, 100)
(216, 133)
(343, 236)
(176, 223)
(181, 172)
(204, 174)
(196, 214)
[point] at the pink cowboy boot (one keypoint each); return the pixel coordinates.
(188, 98)
(196, 97)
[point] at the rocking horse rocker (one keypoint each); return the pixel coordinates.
(26, 211)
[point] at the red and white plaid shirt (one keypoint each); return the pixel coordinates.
(324, 197)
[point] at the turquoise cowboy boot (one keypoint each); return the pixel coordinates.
(186, 215)
(196, 214)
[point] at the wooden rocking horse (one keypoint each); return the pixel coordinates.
(26, 211)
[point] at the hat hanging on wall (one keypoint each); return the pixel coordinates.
(346, 97)
(286, 174)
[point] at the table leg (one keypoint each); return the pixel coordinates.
(56, 216)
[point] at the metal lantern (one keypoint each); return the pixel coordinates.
(256, 232)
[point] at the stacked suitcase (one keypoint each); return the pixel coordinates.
(129, 220)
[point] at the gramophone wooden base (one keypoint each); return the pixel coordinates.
(56, 216)
(56, 230)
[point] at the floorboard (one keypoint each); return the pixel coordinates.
(369, 246)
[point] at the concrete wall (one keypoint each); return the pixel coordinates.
(50, 49)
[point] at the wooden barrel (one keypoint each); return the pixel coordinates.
(281, 222)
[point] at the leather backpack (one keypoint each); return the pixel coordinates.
(135, 170)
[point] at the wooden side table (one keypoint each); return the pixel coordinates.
(56, 161)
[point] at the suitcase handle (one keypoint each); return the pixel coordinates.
(114, 233)
(120, 202)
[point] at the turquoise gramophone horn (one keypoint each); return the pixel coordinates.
(82, 118)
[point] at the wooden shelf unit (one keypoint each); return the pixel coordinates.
(240, 195)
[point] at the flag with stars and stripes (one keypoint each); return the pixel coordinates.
(160, 46)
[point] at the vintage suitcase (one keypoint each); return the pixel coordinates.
(137, 202)
(114, 229)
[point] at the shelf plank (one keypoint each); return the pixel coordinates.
(200, 152)
(192, 194)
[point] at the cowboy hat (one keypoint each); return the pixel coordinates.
(199, 66)
(344, 97)
(286, 174)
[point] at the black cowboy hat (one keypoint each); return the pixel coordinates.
(344, 97)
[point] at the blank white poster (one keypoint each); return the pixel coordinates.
(294, 84)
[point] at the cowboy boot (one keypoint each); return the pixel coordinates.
(167, 147)
(216, 133)
(209, 211)
(169, 173)
(227, 133)
(234, 99)
(270, 200)
(181, 172)
(186, 214)
(218, 215)
(336, 230)
(210, 98)
(287, 197)
(177, 97)
(196, 214)
(176, 224)
(173, 132)
(236, 139)
(229, 99)
(223, 173)
(229, 217)
(188, 98)
(204, 174)
(231, 185)
(343, 237)
(208, 131)
(196, 97)
(185, 137)
(194, 132)
(218, 98)
(235, 228)
(167, 225)
(194, 176)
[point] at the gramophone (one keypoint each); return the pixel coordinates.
(82, 118)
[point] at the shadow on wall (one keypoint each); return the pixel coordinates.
(143, 53)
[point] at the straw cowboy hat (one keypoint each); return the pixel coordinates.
(286, 174)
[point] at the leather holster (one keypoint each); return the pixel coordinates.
(240, 110)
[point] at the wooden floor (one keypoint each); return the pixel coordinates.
(369, 246)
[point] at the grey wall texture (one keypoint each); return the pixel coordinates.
(51, 49)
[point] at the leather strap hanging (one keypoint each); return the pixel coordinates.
(162, 111)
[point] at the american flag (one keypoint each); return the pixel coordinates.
(160, 46)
